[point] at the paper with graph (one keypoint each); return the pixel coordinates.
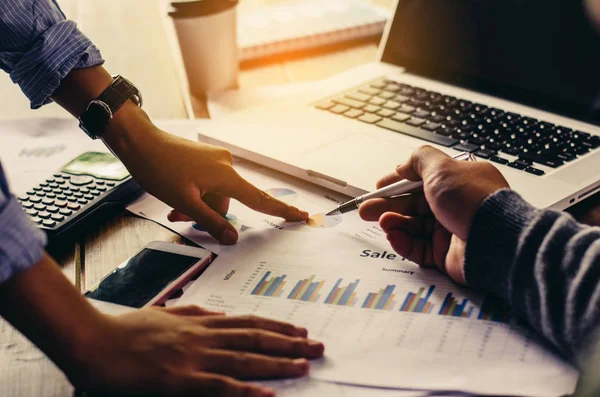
(385, 321)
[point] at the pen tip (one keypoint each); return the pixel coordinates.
(334, 212)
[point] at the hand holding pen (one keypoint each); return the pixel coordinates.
(393, 190)
(431, 229)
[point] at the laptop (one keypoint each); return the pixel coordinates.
(515, 83)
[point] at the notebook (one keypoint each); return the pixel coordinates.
(300, 25)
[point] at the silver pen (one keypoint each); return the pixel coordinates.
(393, 190)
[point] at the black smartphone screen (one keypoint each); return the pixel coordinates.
(142, 277)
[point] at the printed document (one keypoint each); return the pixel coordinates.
(385, 321)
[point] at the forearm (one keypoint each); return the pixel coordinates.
(546, 265)
(42, 304)
(130, 128)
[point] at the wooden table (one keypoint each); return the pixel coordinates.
(131, 37)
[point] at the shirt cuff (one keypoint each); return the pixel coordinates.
(494, 239)
(57, 51)
(21, 242)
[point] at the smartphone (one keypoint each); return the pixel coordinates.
(152, 275)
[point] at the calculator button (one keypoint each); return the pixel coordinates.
(101, 188)
(65, 211)
(35, 199)
(57, 217)
(84, 190)
(37, 188)
(27, 204)
(48, 201)
(51, 195)
(53, 185)
(72, 199)
(58, 175)
(60, 182)
(57, 191)
(49, 223)
(88, 197)
(50, 180)
(39, 207)
(82, 201)
(43, 184)
(52, 208)
(47, 189)
(96, 193)
(73, 206)
(65, 176)
(99, 183)
(24, 197)
(31, 212)
(74, 188)
(78, 195)
(60, 203)
(80, 180)
(44, 214)
(61, 197)
(110, 184)
(37, 220)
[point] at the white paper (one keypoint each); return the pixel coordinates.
(309, 387)
(379, 346)
(314, 199)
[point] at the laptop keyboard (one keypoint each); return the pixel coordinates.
(487, 132)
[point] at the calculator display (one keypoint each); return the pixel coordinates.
(99, 165)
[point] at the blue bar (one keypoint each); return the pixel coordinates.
(295, 289)
(446, 301)
(262, 280)
(367, 300)
(309, 291)
(348, 293)
(469, 312)
(461, 308)
(406, 301)
(274, 286)
(423, 301)
(387, 292)
(333, 290)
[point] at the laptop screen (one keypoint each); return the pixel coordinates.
(544, 53)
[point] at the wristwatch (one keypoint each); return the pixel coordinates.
(100, 111)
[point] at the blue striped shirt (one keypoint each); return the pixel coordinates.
(38, 48)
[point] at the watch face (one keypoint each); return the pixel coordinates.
(96, 117)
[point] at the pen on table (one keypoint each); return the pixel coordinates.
(395, 189)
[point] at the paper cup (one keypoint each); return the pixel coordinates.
(207, 34)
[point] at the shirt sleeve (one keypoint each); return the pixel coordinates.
(39, 47)
(21, 242)
(544, 263)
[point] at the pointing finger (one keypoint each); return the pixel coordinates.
(258, 200)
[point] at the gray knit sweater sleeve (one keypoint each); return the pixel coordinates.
(544, 263)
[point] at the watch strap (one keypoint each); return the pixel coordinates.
(100, 111)
(116, 94)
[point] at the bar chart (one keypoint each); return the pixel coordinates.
(415, 303)
(307, 290)
(342, 296)
(494, 309)
(382, 300)
(451, 307)
(272, 286)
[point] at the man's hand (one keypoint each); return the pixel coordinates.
(195, 179)
(190, 351)
(431, 227)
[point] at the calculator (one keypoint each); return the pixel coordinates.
(83, 193)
